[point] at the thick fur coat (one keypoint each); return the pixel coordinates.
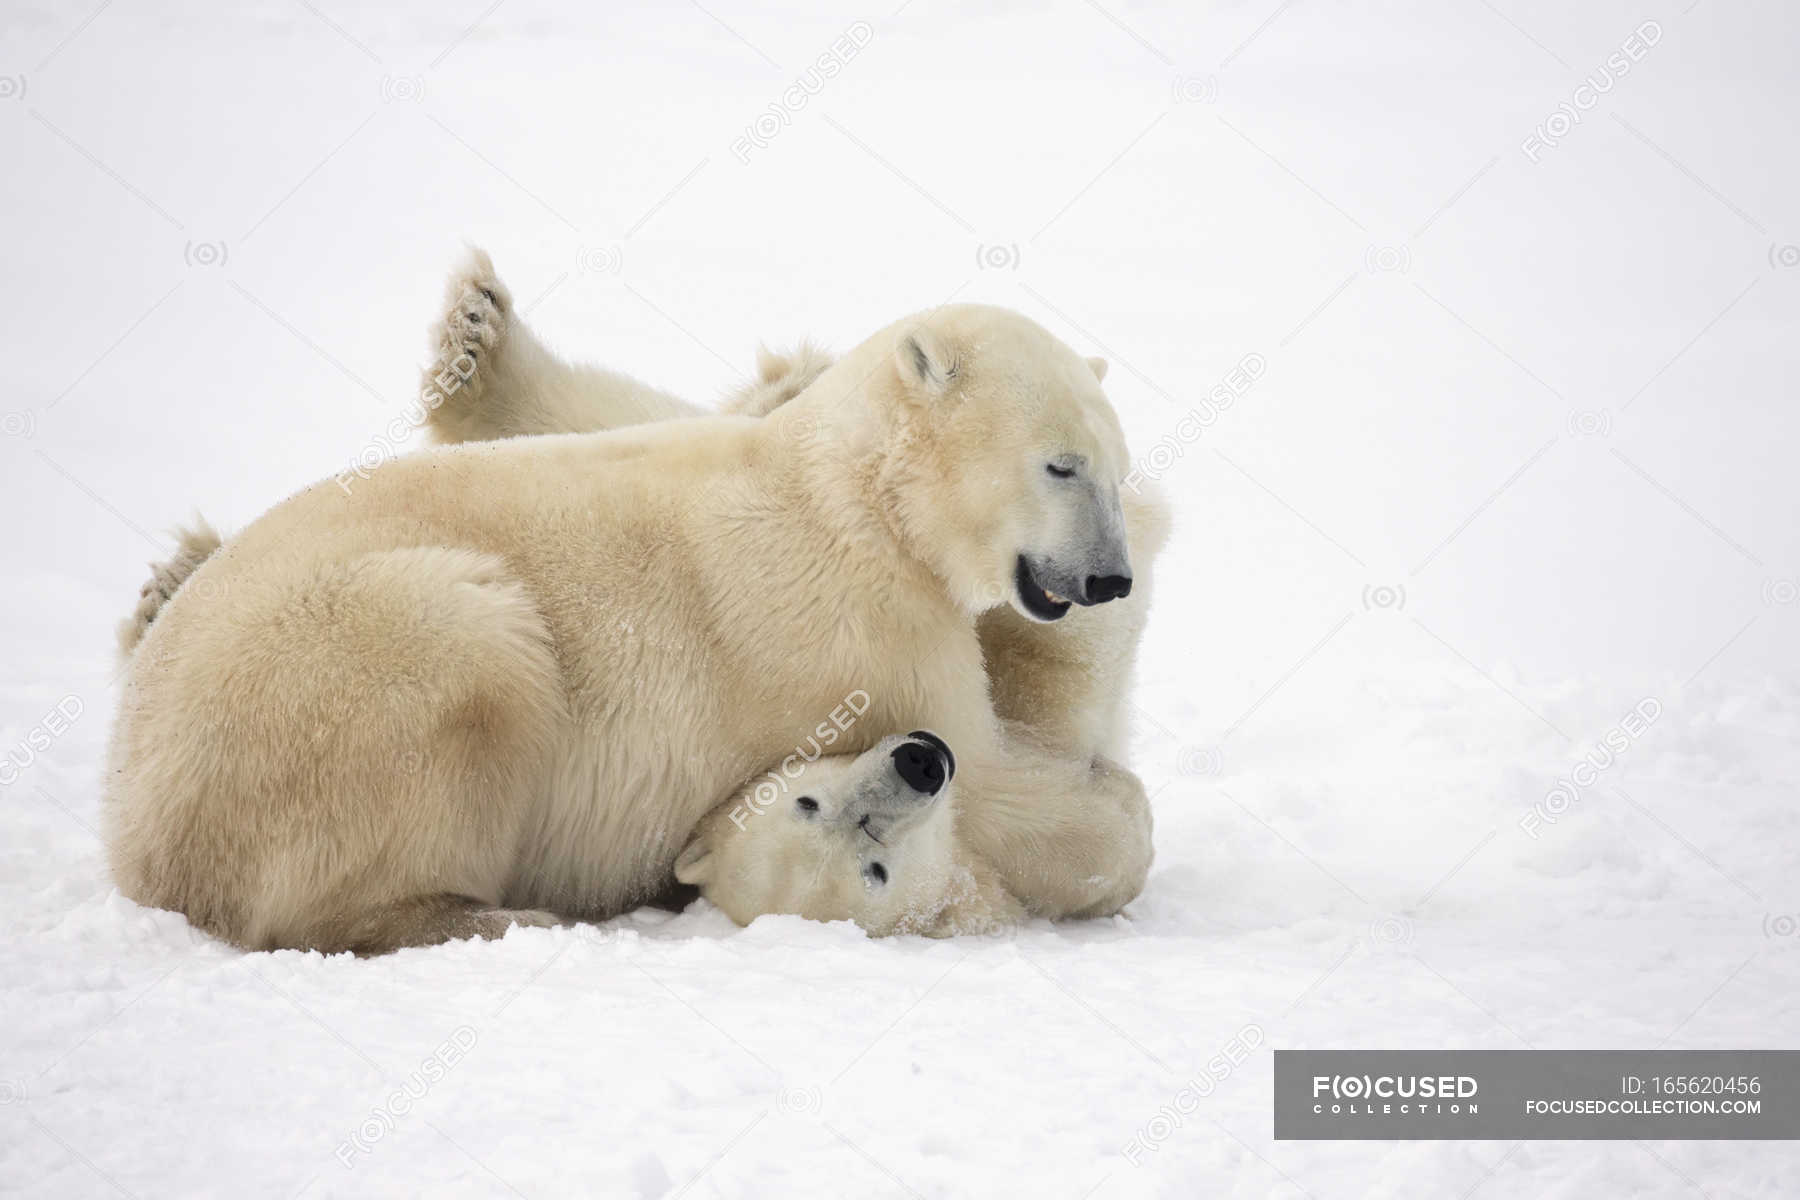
(504, 681)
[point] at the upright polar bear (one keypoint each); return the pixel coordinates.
(1064, 680)
(833, 837)
(496, 682)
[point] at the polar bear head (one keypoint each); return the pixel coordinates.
(856, 837)
(990, 448)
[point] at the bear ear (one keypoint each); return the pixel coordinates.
(1099, 368)
(695, 864)
(925, 360)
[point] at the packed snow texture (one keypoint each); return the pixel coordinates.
(1473, 389)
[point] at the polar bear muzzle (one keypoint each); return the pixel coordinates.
(1030, 580)
(924, 766)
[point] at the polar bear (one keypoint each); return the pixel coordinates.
(503, 682)
(1063, 684)
(1065, 681)
(869, 838)
(825, 851)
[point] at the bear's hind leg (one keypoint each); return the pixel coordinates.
(424, 921)
(362, 781)
(490, 377)
(469, 346)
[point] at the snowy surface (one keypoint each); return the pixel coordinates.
(1520, 458)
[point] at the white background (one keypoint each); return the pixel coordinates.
(1521, 458)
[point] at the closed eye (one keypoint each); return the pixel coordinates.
(1059, 471)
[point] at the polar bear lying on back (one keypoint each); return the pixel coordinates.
(802, 838)
(504, 682)
(869, 838)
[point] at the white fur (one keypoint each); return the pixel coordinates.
(517, 674)
(1062, 685)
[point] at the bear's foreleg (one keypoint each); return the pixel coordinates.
(1068, 837)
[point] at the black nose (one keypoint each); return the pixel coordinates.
(925, 735)
(1101, 588)
(921, 765)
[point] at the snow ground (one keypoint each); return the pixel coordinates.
(1519, 458)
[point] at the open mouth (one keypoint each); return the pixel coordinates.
(1039, 601)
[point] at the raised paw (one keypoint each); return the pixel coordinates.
(477, 312)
